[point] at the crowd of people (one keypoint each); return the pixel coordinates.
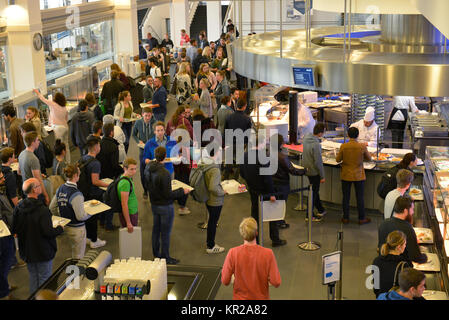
(50, 183)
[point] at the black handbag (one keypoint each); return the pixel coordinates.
(395, 286)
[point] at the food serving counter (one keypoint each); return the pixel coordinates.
(330, 191)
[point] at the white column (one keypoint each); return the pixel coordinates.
(126, 37)
(214, 23)
(26, 65)
(179, 20)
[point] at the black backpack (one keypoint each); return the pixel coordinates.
(84, 181)
(6, 211)
(48, 154)
(110, 197)
(388, 182)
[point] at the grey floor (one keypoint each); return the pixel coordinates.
(300, 270)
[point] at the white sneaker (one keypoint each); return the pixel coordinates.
(183, 211)
(215, 249)
(97, 244)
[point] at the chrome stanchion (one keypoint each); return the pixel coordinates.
(340, 248)
(260, 220)
(301, 205)
(310, 245)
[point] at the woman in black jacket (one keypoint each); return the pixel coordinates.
(388, 262)
(281, 179)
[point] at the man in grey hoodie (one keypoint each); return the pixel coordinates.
(313, 164)
(81, 126)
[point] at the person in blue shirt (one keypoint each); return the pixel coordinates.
(160, 140)
(142, 133)
(159, 101)
(412, 284)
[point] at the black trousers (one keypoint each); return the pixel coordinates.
(315, 182)
(214, 215)
(397, 129)
(359, 193)
(274, 230)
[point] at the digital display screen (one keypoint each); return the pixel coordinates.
(304, 76)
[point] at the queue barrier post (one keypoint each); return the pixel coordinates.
(310, 245)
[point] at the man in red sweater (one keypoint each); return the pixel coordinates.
(253, 266)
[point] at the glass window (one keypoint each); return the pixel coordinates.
(83, 46)
(50, 4)
(4, 88)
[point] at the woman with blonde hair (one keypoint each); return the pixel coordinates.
(205, 100)
(32, 115)
(182, 85)
(390, 262)
(253, 266)
(207, 53)
(123, 113)
(205, 72)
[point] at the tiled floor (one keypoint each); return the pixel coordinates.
(300, 270)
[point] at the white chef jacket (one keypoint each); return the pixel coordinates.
(403, 102)
(367, 134)
(306, 122)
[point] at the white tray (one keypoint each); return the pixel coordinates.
(273, 211)
(130, 244)
(141, 145)
(369, 165)
(108, 181)
(93, 210)
(434, 295)
(176, 184)
(4, 231)
(232, 186)
(424, 233)
(432, 264)
(296, 166)
(59, 221)
(14, 166)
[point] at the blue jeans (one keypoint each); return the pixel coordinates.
(162, 225)
(159, 116)
(39, 273)
(7, 252)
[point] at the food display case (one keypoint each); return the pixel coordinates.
(436, 194)
(429, 129)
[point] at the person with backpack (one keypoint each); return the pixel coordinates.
(89, 184)
(29, 166)
(128, 214)
(215, 194)
(10, 183)
(43, 151)
(68, 202)
(58, 162)
(81, 126)
(37, 237)
(7, 244)
(109, 154)
(158, 181)
(404, 178)
(159, 140)
(388, 182)
(391, 261)
(110, 92)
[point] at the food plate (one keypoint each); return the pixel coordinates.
(233, 186)
(382, 157)
(416, 194)
(432, 264)
(14, 166)
(396, 159)
(424, 235)
(94, 203)
(95, 209)
(175, 184)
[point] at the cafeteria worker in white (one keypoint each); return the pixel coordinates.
(398, 118)
(367, 128)
(306, 122)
